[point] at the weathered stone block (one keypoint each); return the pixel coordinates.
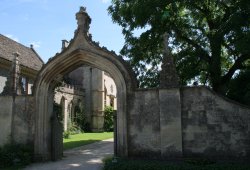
(5, 118)
(170, 121)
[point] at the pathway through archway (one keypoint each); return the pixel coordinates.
(88, 157)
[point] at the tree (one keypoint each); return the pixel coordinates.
(209, 39)
(239, 88)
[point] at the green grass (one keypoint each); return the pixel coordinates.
(129, 164)
(84, 139)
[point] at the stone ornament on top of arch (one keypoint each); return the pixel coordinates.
(81, 50)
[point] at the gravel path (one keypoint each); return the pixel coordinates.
(88, 157)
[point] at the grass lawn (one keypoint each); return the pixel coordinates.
(84, 139)
(126, 164)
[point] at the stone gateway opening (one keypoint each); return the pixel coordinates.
(81, 50)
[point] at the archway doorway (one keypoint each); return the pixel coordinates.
(85, 103)
(80, 51)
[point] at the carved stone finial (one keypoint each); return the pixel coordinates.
(83, 19)
(168, 75)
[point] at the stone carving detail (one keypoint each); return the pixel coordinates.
(168, 75)
(83, 19)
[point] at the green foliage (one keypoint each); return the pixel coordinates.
(15, 154)
(199, 162)
(108, 119)
(126, 164)
(239, 88)
(66, 134)
(80, 120)
(74, 129)
(209, 39)
(57, 109)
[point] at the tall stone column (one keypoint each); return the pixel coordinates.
(65, 113)
(97, 100)
(15, 73)
(170, 107)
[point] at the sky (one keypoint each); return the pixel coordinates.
(44, 23)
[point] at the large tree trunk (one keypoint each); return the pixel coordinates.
(215, 65)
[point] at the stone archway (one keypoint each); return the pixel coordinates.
(81, 50)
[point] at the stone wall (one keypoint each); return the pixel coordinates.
(23, 120)
(5, 118)
(144, 125)
(187, 122)
(213, 126)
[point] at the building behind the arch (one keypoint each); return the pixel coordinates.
(92, 90)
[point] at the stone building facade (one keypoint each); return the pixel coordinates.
(89, 88)
(19, 66)
(16, 58)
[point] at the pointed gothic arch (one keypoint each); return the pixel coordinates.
(81, 51)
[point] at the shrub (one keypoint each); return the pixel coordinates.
(74, 129)
(66, 134)
(80, 120)
(108, 119)
(15, 154)
(133, 164)
(57, 109)
(199, 161)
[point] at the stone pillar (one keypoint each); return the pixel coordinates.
(15, 73)
(87, 72)
(65, 113)
(170, 107)
(168, 75)
(170, 123)
(97, 100)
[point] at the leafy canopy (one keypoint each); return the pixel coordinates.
(209, 39)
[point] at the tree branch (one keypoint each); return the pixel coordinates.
(237, 65)
(200, 50)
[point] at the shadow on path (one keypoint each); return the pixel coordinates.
(88, 157)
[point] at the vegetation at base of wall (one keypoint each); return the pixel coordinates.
(108, 119)
(72, 130)
(128, 164)
(80, 119)
(84, 139)
(66, 134)
(15, 155)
